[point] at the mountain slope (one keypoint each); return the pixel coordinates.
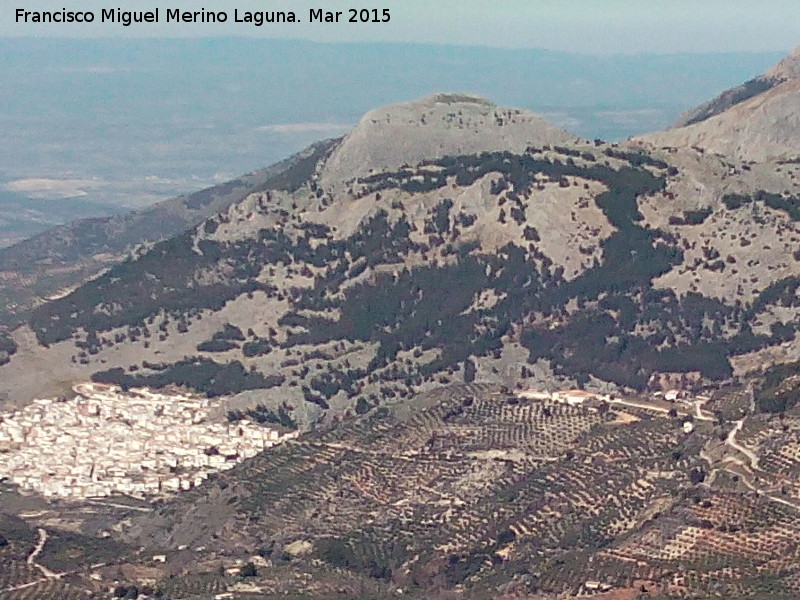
(472, 487)
(756, 121)
(63, 257)
(577, 263)
(442, 485)
(786, 70)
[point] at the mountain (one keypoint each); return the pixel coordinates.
(130, 152)
(514, 254)
(755, 121)
(786, 70)
(522, 364)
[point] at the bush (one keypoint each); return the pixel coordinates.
(216, 346)
(362, 406)
(781, 388)
(201, 374)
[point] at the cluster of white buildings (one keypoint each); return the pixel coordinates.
(570, 397)
(106, 441)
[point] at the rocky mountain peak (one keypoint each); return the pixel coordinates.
(432, 127)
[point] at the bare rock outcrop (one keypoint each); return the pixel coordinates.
(440, 125)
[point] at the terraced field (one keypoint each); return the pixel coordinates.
(472, 490)
(464, 483)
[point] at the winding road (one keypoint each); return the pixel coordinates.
(751, 456)
(731, 441)
(48, 574)
(37, 551)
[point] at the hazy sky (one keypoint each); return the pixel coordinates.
(593, 26)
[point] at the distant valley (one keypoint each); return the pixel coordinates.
(96, 119)
(22, 217)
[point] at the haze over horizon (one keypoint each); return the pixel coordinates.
(609, 27)
(138, 114)
(127, 122)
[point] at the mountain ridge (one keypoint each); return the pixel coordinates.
(755, 121)
(299, 258)
(51, 262)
